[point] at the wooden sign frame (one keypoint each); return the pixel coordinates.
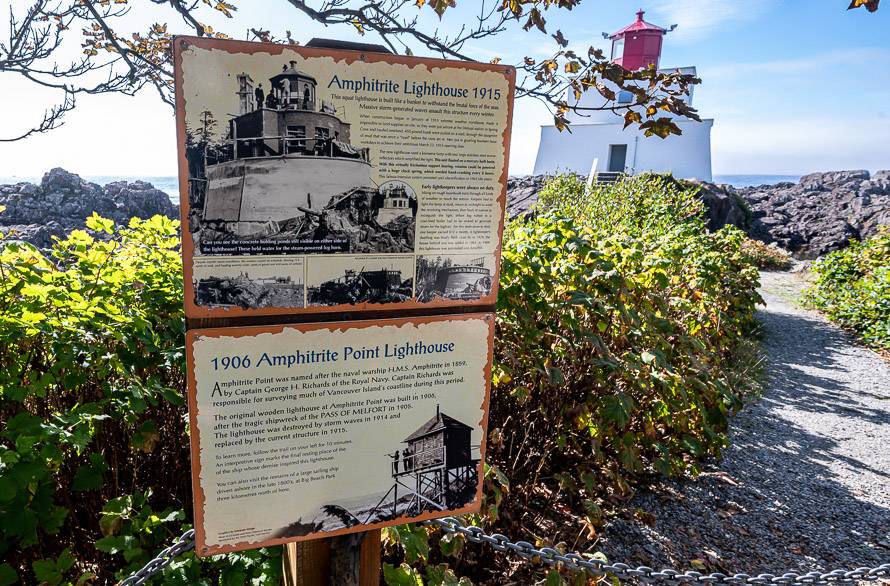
(238, 49)
(200, 504)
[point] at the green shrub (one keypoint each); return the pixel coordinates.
(94, 462)
(623, 343)
(852, 287)
(764, 256)
(621, 328)
(619, 315)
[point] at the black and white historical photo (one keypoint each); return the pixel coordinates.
(335, 280)
(396, 206)
(283, 177)
(249, 282)
(434, 468)
(454, 277)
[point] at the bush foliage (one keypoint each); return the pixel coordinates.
(623, 343)
(94, 463)
(622, 331)
(853, 288)
(765, 256)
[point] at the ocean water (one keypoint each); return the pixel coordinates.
(754, 180)
(170, 184)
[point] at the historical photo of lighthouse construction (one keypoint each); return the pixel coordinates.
(454, 277)
(249, 281)
(359, 279)
(317, 155)
(285, 178)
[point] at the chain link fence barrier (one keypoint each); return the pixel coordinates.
(574, 561)
(185, 543)
(577, 562)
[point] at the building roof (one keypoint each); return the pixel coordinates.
(291, 71)
(439, 422)
(636, 26)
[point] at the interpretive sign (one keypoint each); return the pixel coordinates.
(309, 430)
(315, 180)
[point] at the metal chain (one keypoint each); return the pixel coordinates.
(185, 543)
(644, 574)
(574, 561)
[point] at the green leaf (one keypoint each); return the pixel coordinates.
(693, 445)
(442, 575)
(553, 578)
(451, 544)
(89, 476)
(617, 409)
(593, 510)
(403, 575)
(556, 375)
(232, 576)
(145, 437)
(8, 575)
(115, 543)
(46, 571)
(66, 560)
(415, 541)
(7, 489)
(97, 223)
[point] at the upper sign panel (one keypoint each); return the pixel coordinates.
(315, 180)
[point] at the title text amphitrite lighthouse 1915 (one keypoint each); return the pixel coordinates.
(599, 136)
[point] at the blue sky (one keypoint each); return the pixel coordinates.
(793, 85)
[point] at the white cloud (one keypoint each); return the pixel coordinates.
(861, 56)
(799, 146)
(697, 19)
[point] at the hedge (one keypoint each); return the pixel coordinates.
(852, 287)
(623, 343)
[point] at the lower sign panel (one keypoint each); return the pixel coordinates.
(313, 430)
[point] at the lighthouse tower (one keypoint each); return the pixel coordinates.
(598, 140)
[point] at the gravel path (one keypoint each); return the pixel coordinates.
(805, 484)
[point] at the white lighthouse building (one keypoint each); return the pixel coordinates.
(598, 140)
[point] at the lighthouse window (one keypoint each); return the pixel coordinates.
(618, 48)
(322, 132)
(625, 97)
(296, 132)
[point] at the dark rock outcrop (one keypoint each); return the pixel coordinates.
(63, 201)
(724, 206)
(821, 213)
(522, 193)
(810, 218)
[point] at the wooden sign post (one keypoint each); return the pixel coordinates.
(342, 219)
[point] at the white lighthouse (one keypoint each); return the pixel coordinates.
(598, 140)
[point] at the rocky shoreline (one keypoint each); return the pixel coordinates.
(63, 201)
(820, 213)
(817, 215)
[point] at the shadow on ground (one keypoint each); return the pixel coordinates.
(805, 483)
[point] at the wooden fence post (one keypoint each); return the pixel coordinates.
(347, 560)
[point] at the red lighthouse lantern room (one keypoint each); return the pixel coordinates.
(637, 45)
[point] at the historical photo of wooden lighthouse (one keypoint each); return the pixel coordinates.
(283, 177)
(434, 468)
